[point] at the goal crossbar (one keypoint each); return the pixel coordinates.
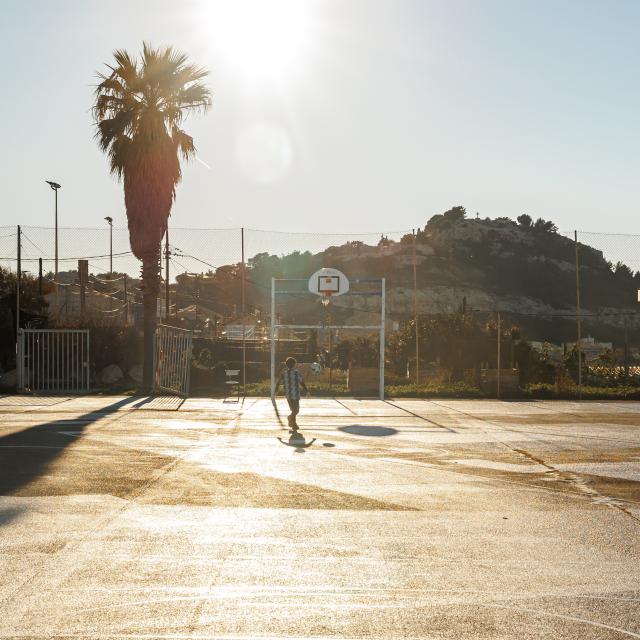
(370, 327)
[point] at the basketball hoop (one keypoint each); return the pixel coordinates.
(327, 283)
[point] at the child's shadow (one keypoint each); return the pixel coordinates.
(298, 441)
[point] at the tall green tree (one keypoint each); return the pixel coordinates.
(139, 108)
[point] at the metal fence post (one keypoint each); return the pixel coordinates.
(155, 359)
(626, 347)
(189, 352)
(20, 359)
(88, 364)
(382, 321)
(578, 318)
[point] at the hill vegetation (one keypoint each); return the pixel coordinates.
(523, 268)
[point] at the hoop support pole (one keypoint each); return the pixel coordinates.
(273, 338)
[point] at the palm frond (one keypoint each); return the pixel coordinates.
(195, 96)
(184, 143)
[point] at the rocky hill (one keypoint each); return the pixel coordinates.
(524, 269)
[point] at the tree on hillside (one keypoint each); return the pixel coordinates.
(447, 219)
(545, 226)
(139, 108)
(525, 221)
(623, 272)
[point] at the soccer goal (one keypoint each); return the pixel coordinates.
(324, 306)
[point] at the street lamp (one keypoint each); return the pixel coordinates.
(109, 219)
(55, 186)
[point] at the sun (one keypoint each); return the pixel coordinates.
(261, 40)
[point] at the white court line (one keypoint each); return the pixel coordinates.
(306, 595)
(563, 616)
(191, 636)
(521, 484)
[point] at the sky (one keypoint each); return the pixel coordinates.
(341, 116)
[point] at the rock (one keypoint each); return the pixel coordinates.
(9, 379)
(111, 374)
(135, 373)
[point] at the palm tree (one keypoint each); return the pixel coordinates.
(139, 107)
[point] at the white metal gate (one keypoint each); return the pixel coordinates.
(53, 360)
(172, 360)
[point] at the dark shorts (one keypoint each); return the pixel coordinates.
(294, 405)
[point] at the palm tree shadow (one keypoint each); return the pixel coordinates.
(25, 455)
(8, 514)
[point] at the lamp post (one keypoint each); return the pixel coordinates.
(55, 186)
(109, 219)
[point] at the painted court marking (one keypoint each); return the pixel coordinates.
(433, 422)
(31, 401)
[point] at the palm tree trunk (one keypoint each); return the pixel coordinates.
(150, 288)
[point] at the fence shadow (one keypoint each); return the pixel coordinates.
(25, 455)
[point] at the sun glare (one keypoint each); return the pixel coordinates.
(262, 40)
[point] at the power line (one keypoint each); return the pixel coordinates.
(102, 256)
(24, 235)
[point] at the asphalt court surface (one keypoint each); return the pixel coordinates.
(161, 517)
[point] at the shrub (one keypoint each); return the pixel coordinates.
(454, 389)
(318, 389)
(568, 391)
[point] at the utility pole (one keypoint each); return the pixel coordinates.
(415, 307)
(578, 319)
(167, 302)
(124, 299)
(83, 274)
(19, 354)
(39, 276)
(244, 329)
(18, 282)
(499, 355)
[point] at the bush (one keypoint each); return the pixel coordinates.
(454, 389)
(317, 389)
(114, 345)
(572, 392)
(541, 390)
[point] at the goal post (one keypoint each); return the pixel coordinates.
(328, 283)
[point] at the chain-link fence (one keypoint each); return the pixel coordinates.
(221, 278)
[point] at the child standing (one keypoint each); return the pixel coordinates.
(292, 381)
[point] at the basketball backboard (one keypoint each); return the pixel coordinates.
(327, 282)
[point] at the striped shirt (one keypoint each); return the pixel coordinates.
(291, 380)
